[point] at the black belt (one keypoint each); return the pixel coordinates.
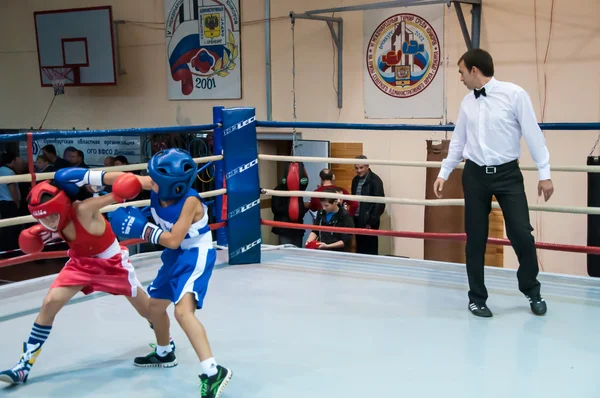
(494, 169)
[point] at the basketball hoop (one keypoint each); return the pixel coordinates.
(59, 86)
(58, 77)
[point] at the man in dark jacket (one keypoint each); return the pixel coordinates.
(367, 183)
(331, 215)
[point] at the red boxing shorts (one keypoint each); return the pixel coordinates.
(110, 272)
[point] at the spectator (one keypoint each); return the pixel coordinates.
(10, 202)
(75, 157)
(327, 181)
(367, 183)
(49, 151)
(331, 215)
(43, 165)
(109, 161)
(280, 208)
(121, 160)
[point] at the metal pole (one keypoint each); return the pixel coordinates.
(387, 4)
(476, 25)
(463, 25)
(268, 58)
(340, 63)
(293, 16)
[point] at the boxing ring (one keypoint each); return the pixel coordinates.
(294, 322)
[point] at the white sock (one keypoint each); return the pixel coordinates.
(209, 367)
(163, 350)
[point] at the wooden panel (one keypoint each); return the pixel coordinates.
(265, 203)
(344, 173)
(494, 254)
(443, 219)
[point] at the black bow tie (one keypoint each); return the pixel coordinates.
(480, 92)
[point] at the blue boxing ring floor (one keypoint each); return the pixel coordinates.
(307, 323)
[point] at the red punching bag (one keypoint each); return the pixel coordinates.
(295, 178)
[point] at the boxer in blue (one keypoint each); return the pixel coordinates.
(188, 258)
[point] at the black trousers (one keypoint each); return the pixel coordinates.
(505, 182)
(366, 244)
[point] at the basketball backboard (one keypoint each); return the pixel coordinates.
(76, 45)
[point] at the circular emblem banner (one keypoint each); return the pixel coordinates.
(403, 55)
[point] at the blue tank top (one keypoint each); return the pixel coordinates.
(198, 234)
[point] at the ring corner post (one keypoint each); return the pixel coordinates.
(218, 150)
(240, 149)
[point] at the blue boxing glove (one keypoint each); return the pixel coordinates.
(72, 178)
(130, 222)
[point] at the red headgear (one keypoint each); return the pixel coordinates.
(45, 200)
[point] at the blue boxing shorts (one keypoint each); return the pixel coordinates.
(183, 271)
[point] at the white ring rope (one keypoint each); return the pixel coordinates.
(128, 167)
(310, 159)
(424, 202)
(138, 203)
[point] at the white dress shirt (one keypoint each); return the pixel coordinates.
(489, 128)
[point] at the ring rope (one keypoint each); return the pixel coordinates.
(426, 235)
(7, 222)
(424, 202)
(128, 167)
(312, 159)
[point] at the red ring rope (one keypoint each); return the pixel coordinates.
(428, 235)
(63, 253)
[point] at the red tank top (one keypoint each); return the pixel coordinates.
(87, 245)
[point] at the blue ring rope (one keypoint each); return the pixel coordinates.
(409, 127)
(272, 124)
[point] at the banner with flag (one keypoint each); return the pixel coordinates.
(203, 49)
(404, 77)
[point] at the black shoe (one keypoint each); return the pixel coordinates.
(213, 386)
(538, 305)
(153, 360)
(480, 310)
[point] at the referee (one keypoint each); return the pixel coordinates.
(491, 121)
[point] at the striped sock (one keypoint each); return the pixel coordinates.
(39, 334)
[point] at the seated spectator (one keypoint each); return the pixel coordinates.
(43, 165)
(49, 151)
(109, 161)
(75, 157)
(121, 160)
(327, 179)
(331, 215)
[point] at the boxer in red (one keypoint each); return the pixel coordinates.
(97, 263)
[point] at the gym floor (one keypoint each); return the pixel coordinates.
(316, 324)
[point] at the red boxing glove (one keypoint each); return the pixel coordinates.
(126, 187)
(312, 245)
(31, 240)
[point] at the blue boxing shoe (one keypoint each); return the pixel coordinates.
(20, 372)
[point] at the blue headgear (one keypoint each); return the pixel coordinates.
(173, 170)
